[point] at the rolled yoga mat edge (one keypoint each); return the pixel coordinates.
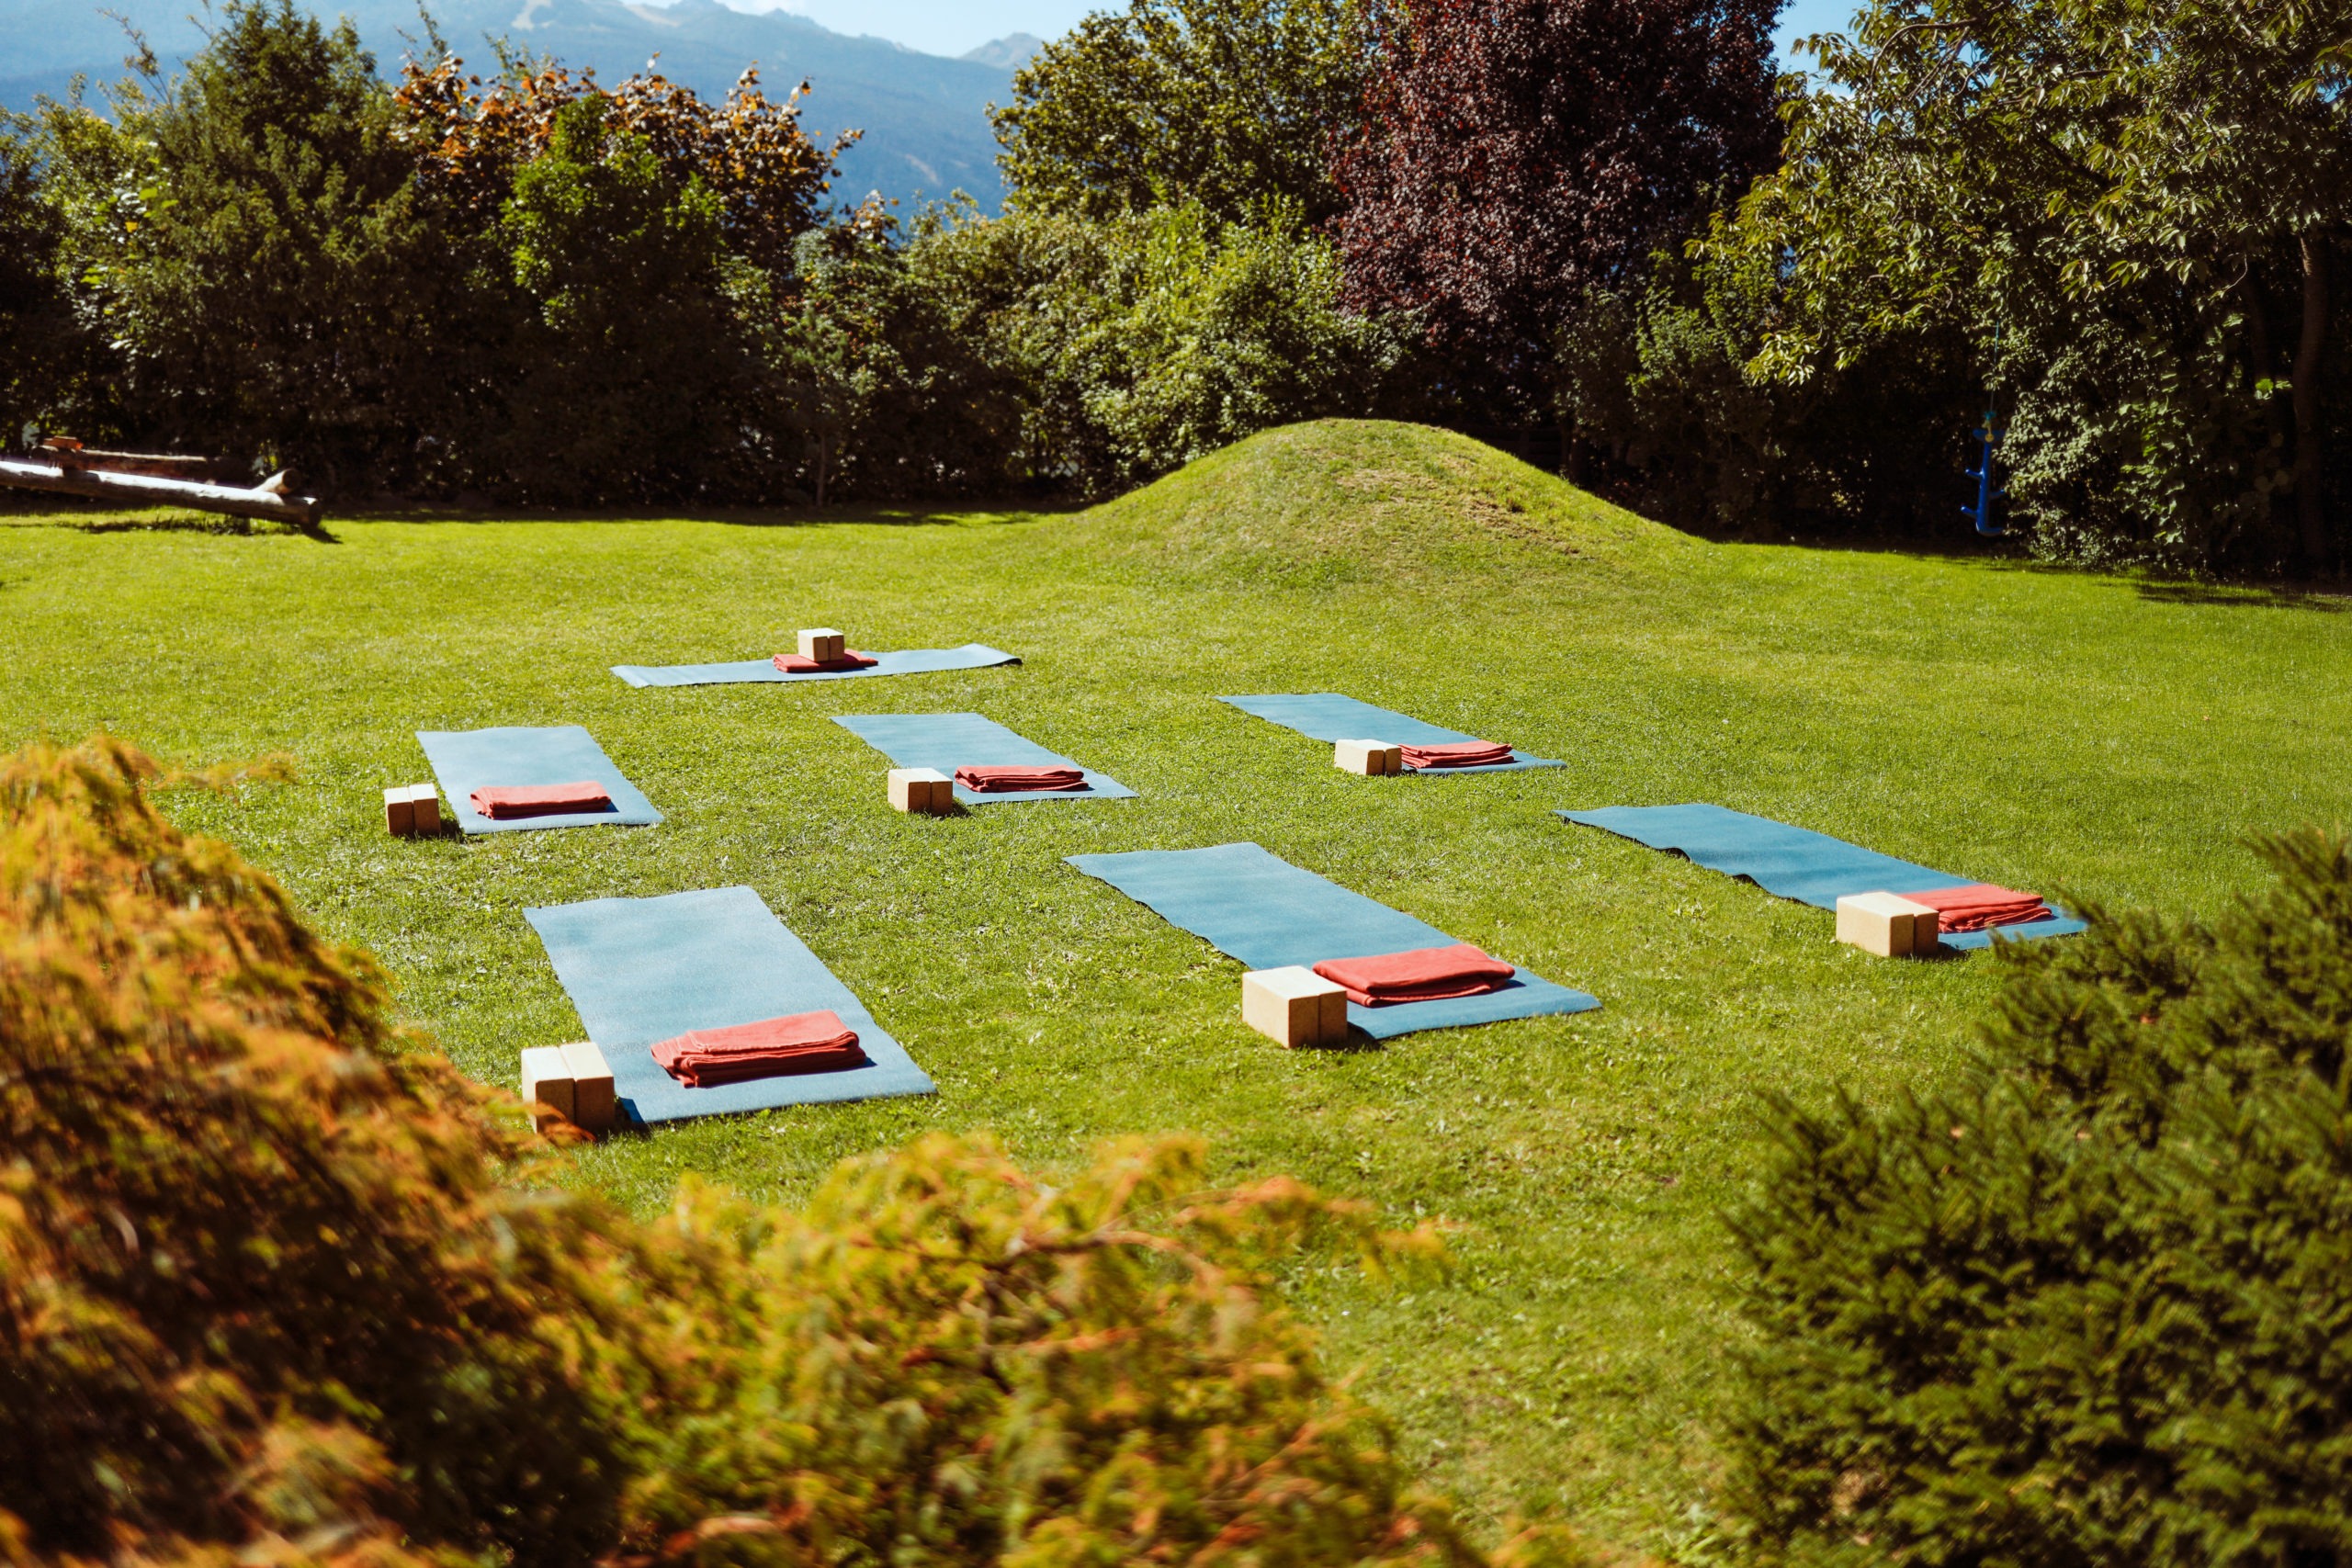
(1795, 863)
(640, 971)
(904, 661)
(1257, 907)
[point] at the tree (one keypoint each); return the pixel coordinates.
(2091, 1304)
(1149, 340)
(750, 153)
(249, 242)
(2120, 204)
(38, 343)
(622, 249)
(1222, 103)
(1518, 157)
(631, 358)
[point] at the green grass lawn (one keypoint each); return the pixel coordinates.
(2044, 729)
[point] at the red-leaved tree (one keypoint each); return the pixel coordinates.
(1518, 153)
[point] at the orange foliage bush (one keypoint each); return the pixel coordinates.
(270, 1293)
(770, 179)
(258, 1277)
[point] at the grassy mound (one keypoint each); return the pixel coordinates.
(1362, 501)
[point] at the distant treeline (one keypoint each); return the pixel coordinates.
(1603, 228)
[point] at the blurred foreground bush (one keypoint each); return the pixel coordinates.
(269, 1294)
(2093, 1304)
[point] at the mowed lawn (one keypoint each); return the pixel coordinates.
(2045, 729)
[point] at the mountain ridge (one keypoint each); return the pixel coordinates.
(924, 116)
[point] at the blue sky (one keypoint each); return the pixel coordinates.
(952, 26)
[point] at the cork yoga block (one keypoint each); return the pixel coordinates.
(1293, 1006)
(1371, 757)
(593, 1104)
(921, 789)
(822, 644)
(546, 1079)
(1887, 925)
(410, 809)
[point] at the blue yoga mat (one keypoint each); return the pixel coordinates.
(1328, 716)
(951, 740)
(1258, 907)
(1795, 863)
(906, 661)
(467, 760)
(644, 970)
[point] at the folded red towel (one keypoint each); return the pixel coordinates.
(1424, 974)
(1456, 754)
(540, 800)
(1006, 781)
(793, 664)
(1980, 905)
(772, 1048)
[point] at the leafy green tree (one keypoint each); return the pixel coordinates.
(1660, 389)
(599, 370)
(249, 243)
(1520, 158)
(880, 376)
(1225, 104)
(1190, 337)
(2122, 204)
(631, 359)
(2092, 1305)
(1153, 338)
(40, 349)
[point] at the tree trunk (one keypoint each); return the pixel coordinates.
(2311, 503)
(2261, 359)
(149, 490)
(824, 449)
(1570, 469)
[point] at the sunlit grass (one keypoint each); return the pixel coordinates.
(2043, 729)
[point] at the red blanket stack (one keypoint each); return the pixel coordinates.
(540, 800)
(1980, 905)
(1424, 974)
(1456, 754)
(774, 1047)
(1006, 781)
(793, 664)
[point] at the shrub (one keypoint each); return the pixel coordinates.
(269, 1293)
(2092, 1306)
(257, 1264)
(942, 1360)
(1663, 381)
(1150, 339)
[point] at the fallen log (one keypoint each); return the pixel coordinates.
(73, 455)
(151, 490)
